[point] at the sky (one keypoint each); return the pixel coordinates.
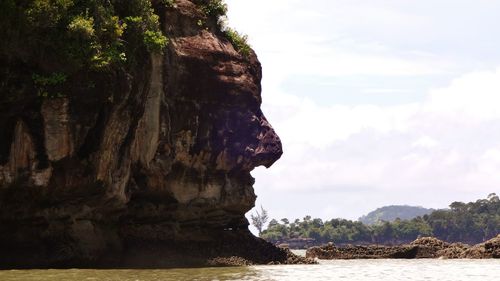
(376, 102)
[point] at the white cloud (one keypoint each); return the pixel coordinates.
(344, 160)
(425, 142)
(472, 97)
(384, 90)
(413, 150)
(321, 126)
(299, 38)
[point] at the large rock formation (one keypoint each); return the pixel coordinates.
(155, 174)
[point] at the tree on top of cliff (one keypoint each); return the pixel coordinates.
(217, 9)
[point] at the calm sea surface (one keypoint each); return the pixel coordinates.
(362, 270)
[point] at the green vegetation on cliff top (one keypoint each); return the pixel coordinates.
(92, 34)
(51, 47)
(55, 48)
(217, 9)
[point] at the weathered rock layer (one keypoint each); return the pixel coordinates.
(158, 174)
(425, 247)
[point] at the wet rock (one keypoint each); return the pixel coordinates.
(426, 247)
(488, 249)
(430, 242)
(230, 261)
(453, 251)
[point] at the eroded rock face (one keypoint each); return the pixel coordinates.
(160, 171)
(421, 248)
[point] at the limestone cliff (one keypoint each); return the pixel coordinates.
(149, 167)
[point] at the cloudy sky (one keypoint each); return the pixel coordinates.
(376, 102)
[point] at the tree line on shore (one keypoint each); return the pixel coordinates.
(471, 223)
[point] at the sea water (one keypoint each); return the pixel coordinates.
(352, 270)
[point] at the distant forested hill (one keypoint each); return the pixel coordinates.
(391, 213)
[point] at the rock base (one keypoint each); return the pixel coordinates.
(230, 248)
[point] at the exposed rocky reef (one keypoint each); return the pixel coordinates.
(426, 247)
(154, 173)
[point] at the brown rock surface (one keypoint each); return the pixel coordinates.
(365, 252)
(156, 175)
(488, 249)
(426, 247)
